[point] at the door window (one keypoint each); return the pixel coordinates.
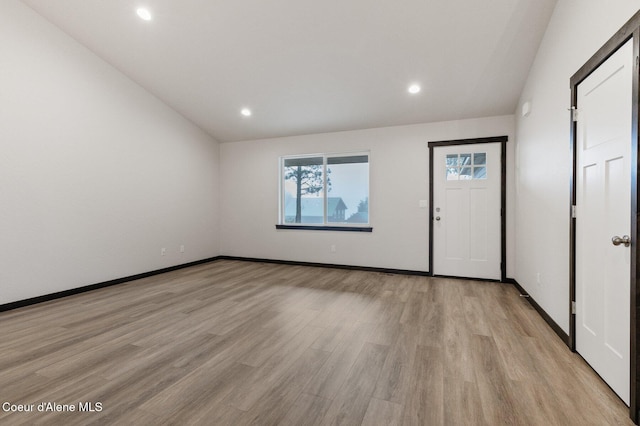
(466, 166)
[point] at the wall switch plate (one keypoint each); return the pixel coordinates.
(163, 251)
(182, 249)
(423, 204)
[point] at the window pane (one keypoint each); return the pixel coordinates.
(465, 173)
(480, 158)
(465, 160)
(452, 166)
(348, 189)
(480, 172)
(303, 190)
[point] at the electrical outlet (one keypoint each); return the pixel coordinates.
(163, 251)
(538, 278)
(182, 249)
(332, 249)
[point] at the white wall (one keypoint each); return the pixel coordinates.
(399, 176)
(576, 31)
(96, 175)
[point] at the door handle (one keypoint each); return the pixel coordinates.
(626, 240)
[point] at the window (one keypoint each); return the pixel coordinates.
(325, 190)
(466, 166)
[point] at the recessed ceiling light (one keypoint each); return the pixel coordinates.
(144, 13)
(413, 89)
(246, 112)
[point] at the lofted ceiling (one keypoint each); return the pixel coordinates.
(306, 66)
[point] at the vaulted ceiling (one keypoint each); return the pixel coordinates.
(306, 66)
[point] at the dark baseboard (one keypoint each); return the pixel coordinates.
(84, 289)
(554, 326)
(328, 265)
(47, 297)
(455, 277)
(71, 292)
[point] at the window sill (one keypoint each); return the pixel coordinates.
(327, 228)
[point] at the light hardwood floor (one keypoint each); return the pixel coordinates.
(235, 343)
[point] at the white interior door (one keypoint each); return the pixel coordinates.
(466, 210)
(603, 206)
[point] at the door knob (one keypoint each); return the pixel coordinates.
(437, 217)
(626, 240)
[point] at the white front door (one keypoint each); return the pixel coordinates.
(466, 210)
(603, 209)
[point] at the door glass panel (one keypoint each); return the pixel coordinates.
(479, 158)
(466, 166)
(452, 166)
(465, 173)
(480, 172)
(452, 173)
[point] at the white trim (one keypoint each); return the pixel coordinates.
(325, 156)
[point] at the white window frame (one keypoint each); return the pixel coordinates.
(325, 224)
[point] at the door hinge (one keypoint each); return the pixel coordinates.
(574, 213)
(574, 114)
(573, 308)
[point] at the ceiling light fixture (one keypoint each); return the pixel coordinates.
(144, 14)
(413, 89)
(246, 112)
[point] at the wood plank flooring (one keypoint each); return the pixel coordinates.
(240, 343)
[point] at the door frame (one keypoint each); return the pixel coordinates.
(503, 195)
(630, 30)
